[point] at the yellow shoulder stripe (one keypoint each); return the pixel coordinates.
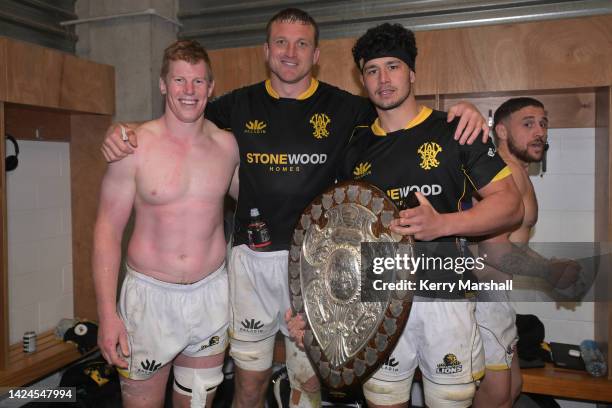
(503, 173)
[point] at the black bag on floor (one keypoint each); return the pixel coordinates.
(97, 384)
(530, 331)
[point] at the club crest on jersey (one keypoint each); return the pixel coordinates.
(362, 170)
(428, 152)
(255, 126)
(319, 122)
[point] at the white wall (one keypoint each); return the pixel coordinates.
(39, 238)
(566, 197)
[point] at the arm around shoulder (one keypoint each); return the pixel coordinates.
(115, 146)
(500, 209)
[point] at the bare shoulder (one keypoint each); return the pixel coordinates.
(224, 139)
(520, 177)
(148, 130)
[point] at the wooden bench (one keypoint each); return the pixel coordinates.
(51, 354)
(564, 383)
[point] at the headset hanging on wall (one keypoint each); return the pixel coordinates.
(11, 162)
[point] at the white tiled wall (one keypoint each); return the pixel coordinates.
(39, 238)
(566, 196)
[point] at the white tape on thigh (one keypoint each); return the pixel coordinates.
(300, 371)
(307, 400)
(381, 392)
(448, 396)
(197, 382)
(299, 368)
(252, 355)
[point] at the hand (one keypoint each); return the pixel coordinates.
(296, 326)
(470, 124)
(563, 273)
(424, 222)
(115, 146)
(568, 280)
(110, 334)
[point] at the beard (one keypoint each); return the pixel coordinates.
(523, 154)
(395, 104)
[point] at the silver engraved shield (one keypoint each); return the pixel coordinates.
(346, 339)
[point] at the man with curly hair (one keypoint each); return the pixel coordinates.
(411, 147)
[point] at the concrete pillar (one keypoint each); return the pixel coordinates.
(134, 45)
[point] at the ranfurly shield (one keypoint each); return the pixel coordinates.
(346, 339)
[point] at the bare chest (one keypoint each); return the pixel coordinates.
(530, 203)
(169, 174)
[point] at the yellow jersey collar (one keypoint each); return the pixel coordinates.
(314, 84)
(423, 114)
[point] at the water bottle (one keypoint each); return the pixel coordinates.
(593, 359)
(258, 232)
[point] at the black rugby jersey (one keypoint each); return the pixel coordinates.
(289, 149)
(424, 157)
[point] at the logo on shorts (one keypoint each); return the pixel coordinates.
(428, 153)
(319, 122)
(255, 126)
(450, 365)
(391, 365)
(251, 326)
(149, 367)
(491, 152)
(214, 340)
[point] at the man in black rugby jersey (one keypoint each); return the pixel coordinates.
(411, 148)
(411, 145)
(291, 131)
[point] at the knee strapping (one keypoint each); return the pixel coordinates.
(305, 387)
(381, 392)
(299, 370)
(305, 399)
(253, 355)
(448, 396)
(197, 382)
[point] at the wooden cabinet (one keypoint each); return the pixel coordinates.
(49, 95)
(41, 77)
